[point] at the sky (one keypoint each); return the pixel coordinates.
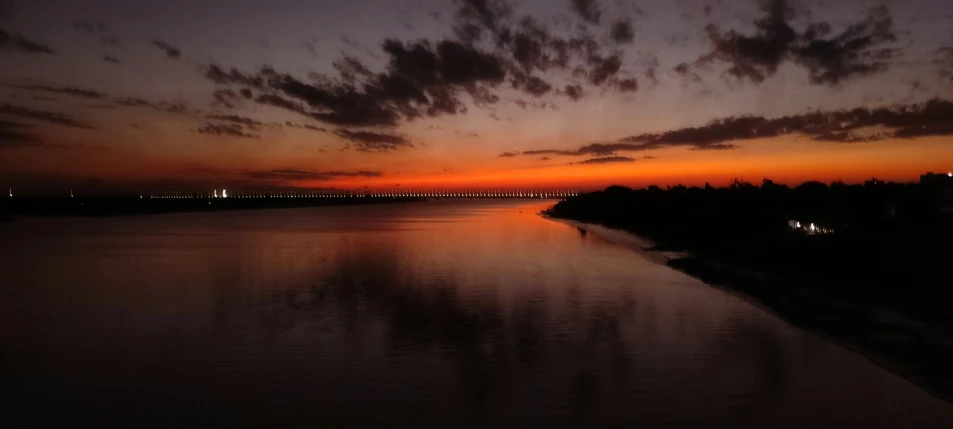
(117, 96)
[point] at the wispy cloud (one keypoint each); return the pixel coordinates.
(43, 116)
(368, 141)
(227, 130)
(17, 42)
(932, 118)
(301, 174)
(606, 160)
(170, 51)
(75, 92)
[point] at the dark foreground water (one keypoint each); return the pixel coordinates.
(438, 314)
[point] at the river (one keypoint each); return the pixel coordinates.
(433, 314)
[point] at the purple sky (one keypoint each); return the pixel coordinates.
(684, 64)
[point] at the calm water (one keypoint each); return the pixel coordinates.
(439, 314)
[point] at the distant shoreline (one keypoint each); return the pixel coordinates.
(13, 208)
(807, 310)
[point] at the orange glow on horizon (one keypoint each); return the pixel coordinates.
(787, 160)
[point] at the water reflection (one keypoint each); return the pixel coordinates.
(442, 313)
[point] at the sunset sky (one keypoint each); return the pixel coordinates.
(122, 95)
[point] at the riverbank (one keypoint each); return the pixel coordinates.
(914, 349)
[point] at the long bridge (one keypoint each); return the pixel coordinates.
(306, 193)
(150, 202)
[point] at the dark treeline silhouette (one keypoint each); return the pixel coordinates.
(888, 243)
(876, 272)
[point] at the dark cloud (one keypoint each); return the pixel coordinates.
(544, 158)
(300, 174)
(854, 52)
(845, 137)
(75, 92)
(16, 42)
(592, 149)
(628, 85)
(110, 59)
(170, 51)
(12, 134)
(305, 126)
(588, 10)
(543, 152)
(44, 116)
(932, 118)
(716, 146)
(475, 17)
(233, 76)
(574, 92)
(622, 32)
(368, 141)
(426, 78)
(351, 68)
(174, 107)
(227, 98)
(421, 80)
(227, 130)
(757, 56)
(830, 60)
(604, 68)
(508, 154)
(242, 120)
(606, 160)
(536, 86)
(684, 70)
(274, 100)
(937, 128)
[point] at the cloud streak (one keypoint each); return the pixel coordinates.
(170, 51)
(605, 160)
(293, 174)
(368, 141)
(19, 43)
(43, 116)
(12, 135)
(227, 130)
(173, 107)
(931, 118)
(75, 92)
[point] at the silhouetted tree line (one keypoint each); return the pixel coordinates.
(886, 236)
